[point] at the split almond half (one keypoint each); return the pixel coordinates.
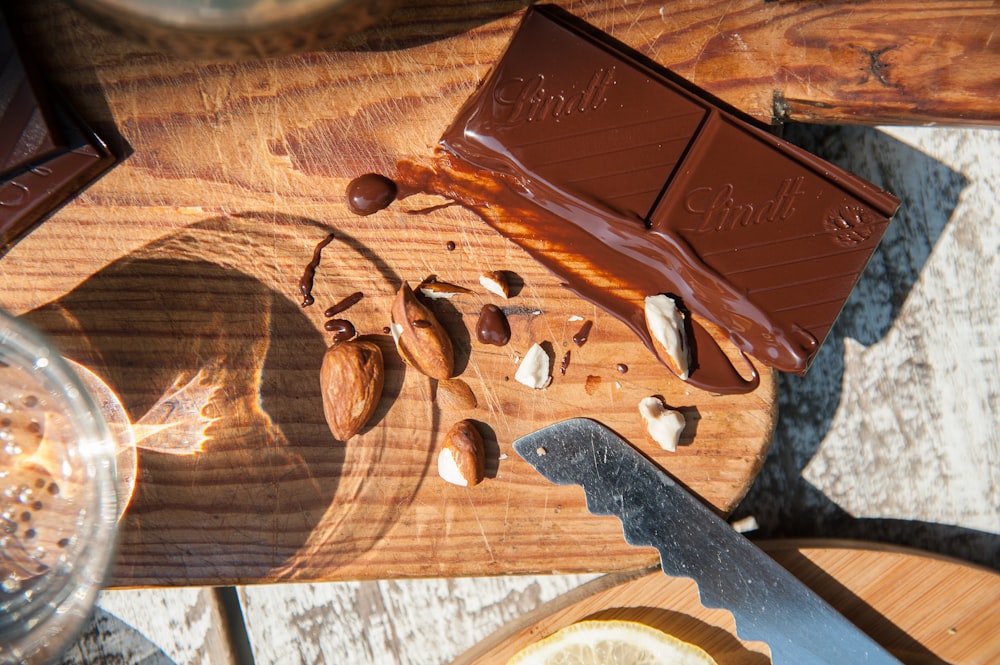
(665, 323)
(462, 460)
(421, 340)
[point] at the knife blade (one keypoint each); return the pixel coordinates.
(768, 603)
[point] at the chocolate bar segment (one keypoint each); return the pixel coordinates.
(28, 132)
(47, 154)
(654, 187)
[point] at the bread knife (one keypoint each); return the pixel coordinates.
(768, 603)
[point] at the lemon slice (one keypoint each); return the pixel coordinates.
(611, 643)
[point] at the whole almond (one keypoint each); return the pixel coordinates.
(456, 394)
(351, 379)
(421, 340)
(462, 460)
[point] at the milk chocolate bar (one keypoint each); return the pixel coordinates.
(650, 185)
(47, 154)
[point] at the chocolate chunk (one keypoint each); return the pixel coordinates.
(47, 154)
(626, 181)
(492, 326)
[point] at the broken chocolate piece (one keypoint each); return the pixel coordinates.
(652, 186)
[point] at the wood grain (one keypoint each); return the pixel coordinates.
(922, 609)
(174, 278)
(184, 299)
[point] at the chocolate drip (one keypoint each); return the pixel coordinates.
(309, 274)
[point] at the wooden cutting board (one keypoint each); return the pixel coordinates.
(924, 609)
(175, 279)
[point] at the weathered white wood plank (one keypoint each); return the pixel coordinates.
(408, 622)
(183, 626)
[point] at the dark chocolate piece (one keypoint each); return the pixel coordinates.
(29, 132)
(47, 154)
(492, 326)
(652, 188)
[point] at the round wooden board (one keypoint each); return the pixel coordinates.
(924, 609)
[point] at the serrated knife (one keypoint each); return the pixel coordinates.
(769, 604)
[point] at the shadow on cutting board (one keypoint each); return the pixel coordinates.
(783, 502)
(420, 22)
(239, 477)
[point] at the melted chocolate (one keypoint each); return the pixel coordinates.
(626, 181)
(582, 335)
(492, 326)
(309, 274)
(369, 193)
(342, 330)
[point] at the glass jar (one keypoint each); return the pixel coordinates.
(58, 505)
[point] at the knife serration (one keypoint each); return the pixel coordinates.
(768, 603)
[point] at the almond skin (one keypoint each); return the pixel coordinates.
(456, 394)
(462, 460)
(421, 340)
(351, 379)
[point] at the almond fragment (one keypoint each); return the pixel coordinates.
(456, 394)
(421, 340)
(434, 289)
(663, 424)
(665, 323)
(351, 379)
(534, 370)
(495, 281)
(462, 460)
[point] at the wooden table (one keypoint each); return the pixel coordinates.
(212, 188)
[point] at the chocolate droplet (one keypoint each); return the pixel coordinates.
(492, 327)
(564, 364)
(369, 193)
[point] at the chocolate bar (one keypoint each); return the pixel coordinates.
(47, 154)
(652, 186)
